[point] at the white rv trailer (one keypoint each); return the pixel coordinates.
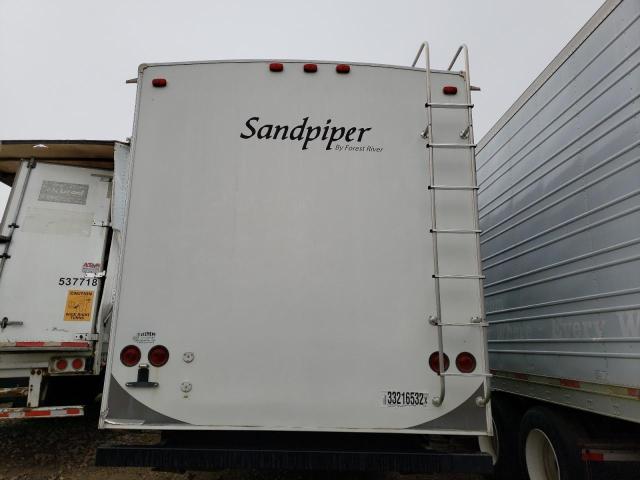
(55, 241)
(559, 212)
(311, 266)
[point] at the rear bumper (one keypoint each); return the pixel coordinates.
(359, 453)
(44, 346)
(41, 412)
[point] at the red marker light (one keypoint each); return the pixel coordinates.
(343, 68)
(61, 364)
(276, 67)
(449, 90)
(130, 355)
(159, 82)
(434, 362)
(466, 362)
(310, 67)
(77, 364)
(158, 356)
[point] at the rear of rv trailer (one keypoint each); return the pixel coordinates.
(559, 205)
(300, 267)
(55, 243)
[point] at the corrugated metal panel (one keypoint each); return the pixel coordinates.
(560, 214)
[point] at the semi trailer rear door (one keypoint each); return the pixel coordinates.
(54, 233)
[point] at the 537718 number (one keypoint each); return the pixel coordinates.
(77, 281)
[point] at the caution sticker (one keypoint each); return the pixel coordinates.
(79, 305)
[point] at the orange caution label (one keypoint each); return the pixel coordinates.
(79, 305)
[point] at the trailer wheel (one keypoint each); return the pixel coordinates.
(549, 445)
(506, 417)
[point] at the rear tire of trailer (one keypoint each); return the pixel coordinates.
(549, 446)
(506, 415)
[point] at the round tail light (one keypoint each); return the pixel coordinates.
(449, 90)
(158, 356)
(466, 362)
(434, 362)
(61, 364)
(130, 355)
(77, 364)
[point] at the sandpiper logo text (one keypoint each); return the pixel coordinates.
(304, 132)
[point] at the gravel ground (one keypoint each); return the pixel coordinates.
(64, 449)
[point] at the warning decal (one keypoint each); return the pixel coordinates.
(78, 307)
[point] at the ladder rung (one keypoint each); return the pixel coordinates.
(454, 374)
(478, 324)
(451, 187)
(453, 230)
(451, 145)
(477, 277)
(449, 105)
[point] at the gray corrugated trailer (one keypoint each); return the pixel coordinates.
(560, 217)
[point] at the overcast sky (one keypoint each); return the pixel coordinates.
(63, 63)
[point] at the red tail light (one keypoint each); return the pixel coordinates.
(130, 355)
(77, 364)
(276, 67)
(434, 362)
(449, 90)
(342, 68)
(159, 82)
(61, 364)
(310, 67)
(158, 356)
(466, 362)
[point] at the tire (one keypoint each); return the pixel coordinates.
(506, 420)
(550, 445)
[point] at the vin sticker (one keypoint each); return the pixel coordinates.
(398, 398)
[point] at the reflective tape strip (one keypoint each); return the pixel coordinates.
(42, 412)
(632, 393)
(565, 382)
(56, 345)
(623, 454)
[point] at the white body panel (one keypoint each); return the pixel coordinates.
(299, 279)
(59, 239)
(559, 203)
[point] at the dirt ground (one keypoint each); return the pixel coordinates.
(60, 449)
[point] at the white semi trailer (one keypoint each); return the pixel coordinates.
(299, 285)
(559, 211)
(55, 296)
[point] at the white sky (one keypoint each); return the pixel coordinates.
(63, 63)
